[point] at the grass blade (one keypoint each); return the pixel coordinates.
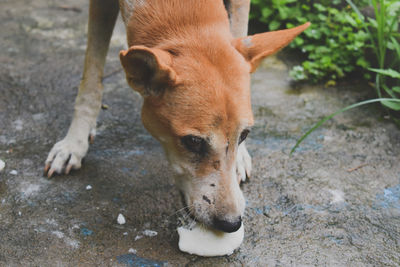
(318, 124)
(396, 46)
(389, 92)
(355, 8)
(388, 72)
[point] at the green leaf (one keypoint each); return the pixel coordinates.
(395, 44)
(396, 89)
(388, 91)
(319, 7)
(350, 20)
(373, 22)
(387, 72)
(355, 8)
(367, 76)
(299, 41)
(326, 60)
(266, 12)
(392, 105)
(333, 11)
(290, 25)
(283, 12)
(274, 25)
(393, 8)
(362, 63)
(305, 7)
(321, 17)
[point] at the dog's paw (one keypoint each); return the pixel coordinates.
(243, 163)
(65, 155)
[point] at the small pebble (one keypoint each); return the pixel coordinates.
(121, 219)
(132, 250)
(19, 213)
(13, 172)
(150, 233)
(2, 165)
(138, 237)
(88, 187)
(125, 233)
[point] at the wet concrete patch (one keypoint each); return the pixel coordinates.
(389, 199)
(132, 260)
(86, 232)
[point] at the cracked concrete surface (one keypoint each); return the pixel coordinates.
(314, 208)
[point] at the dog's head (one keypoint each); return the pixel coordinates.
(197, 104)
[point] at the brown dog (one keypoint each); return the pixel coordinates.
(194, 76)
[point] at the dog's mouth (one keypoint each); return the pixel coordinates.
(187, 218)
(186, 208)
(185, 215)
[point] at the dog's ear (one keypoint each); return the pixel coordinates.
(148, 70)
(256, 47)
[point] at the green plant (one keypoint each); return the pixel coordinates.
(394, 91)
(334, 45)
(383, 34)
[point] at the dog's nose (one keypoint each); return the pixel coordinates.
(227, 226)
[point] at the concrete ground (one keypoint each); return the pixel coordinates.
(335, 202)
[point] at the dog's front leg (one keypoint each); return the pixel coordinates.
(68, 153)
(243, 163)
(238, 16)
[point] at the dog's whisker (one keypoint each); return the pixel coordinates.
(186, 216)
(180, 210)
(183, 215)
(192, 223)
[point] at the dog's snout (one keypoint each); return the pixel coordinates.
(227, 226)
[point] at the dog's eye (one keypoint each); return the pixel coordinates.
(243, 135)
(194, 144)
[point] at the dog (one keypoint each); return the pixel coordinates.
(191, 61)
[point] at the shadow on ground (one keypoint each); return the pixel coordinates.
(335, 202)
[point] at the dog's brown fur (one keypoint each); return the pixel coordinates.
(195, 80)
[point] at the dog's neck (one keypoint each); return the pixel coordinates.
(164, 23)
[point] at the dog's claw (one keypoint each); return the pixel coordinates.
(68, 169)
(91, 138)
(92, 135)
(46, 168)
(247, 175)
(50, 173)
